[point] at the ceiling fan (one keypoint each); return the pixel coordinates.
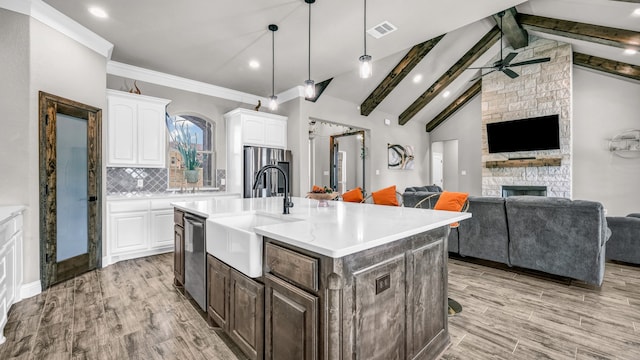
(504, 64)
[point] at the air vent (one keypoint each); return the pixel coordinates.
(382, 29)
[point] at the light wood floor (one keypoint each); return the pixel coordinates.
(131, 310)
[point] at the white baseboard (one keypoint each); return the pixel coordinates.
(110, 260)
(30, 289)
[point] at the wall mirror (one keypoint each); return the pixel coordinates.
(336, 156)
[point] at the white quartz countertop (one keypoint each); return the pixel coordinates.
(169, 195)
(7, 212)
(338, 230)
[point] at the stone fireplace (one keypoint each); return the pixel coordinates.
(508, 190)
(541, 89)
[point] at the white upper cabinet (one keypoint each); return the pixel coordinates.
(136, 134)
(257, 129)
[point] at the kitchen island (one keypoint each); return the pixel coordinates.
(348, 281)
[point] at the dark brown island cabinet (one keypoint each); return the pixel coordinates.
(178, 253)
(388, 302)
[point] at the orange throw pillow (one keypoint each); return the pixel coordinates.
(354, 195)
(386, 196)
(451, 201)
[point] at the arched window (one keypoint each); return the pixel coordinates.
(203, 132)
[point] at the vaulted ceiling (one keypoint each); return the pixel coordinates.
(213, 41)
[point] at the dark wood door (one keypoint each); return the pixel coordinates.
(218, 292)
(291, 321)
(246, 314)
(70, 188)
(178, 254)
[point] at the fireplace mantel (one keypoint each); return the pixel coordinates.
(524, 163)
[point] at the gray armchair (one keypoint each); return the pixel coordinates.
(558, 236)
(624, 243)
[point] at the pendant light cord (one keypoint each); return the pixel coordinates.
(273, 62)
(364, 32)
(309, 63)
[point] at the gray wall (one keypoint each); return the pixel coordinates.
(188, 103)
(377, 135)
(36, 58)
(465, 126)
(15, 142)
(603, 107)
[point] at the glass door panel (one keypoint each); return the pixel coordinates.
(72, 207)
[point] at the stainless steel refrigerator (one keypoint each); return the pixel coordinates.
(272, 182)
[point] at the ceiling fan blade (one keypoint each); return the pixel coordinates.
(478, 77)
(508, 59)
(510, 73)
(481, 67)
(532, 61)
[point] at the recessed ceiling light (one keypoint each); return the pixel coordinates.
(630, 51)
(417, 78)
(636, 12)
(98, 12)
(254, 64)
(446, 94)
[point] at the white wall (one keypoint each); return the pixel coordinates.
(377, 137)
(465, 126)
(604, 106)
(450, 164)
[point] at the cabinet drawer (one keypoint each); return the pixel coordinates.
(129, 205)
(300, 269)
(178, 217)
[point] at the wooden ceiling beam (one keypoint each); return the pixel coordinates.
(594, 33)
(515, 34)
(399, 72)
(455, 105)
(450, 75)
(605, 65)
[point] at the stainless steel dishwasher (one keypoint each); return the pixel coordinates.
(195, 259)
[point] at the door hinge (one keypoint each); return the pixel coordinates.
(46, 189)
(47, 258)
(46, 119)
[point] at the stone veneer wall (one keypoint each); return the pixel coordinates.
(541, 89)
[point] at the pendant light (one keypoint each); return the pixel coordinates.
(366, 69)
(273, 99)
(309, 85)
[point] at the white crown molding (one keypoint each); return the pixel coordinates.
(177, 82)
(293, 93)
(51, 17)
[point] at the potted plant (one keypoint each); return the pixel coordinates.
(186, 143)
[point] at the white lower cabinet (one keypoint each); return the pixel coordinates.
(142, 226)
(10, 266)
(129, 231)
(161, 228)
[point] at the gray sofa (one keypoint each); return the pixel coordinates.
(554, 235)
(413, 195)
(624, 244)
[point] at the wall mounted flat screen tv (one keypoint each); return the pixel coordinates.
(539, 133)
